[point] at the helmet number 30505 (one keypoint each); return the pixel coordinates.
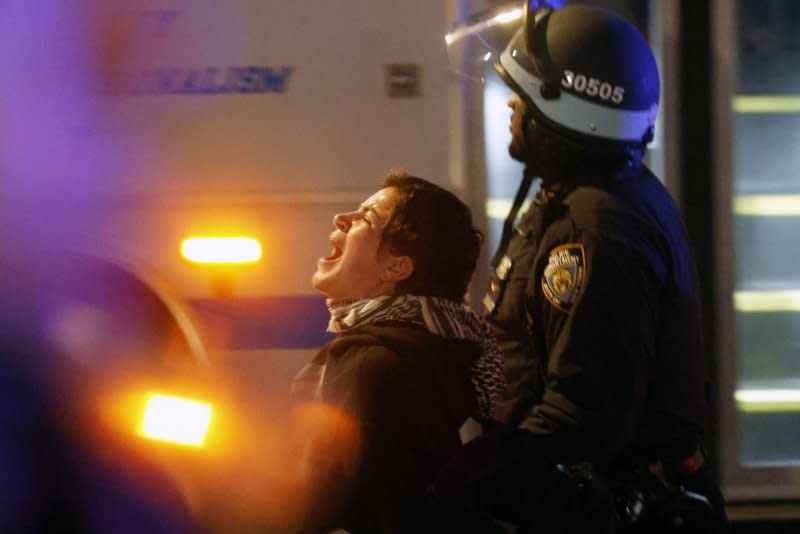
(593, 87)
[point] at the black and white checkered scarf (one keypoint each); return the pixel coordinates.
(443, 317)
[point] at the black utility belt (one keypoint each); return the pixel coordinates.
(645, 498)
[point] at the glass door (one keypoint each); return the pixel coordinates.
(758, 135)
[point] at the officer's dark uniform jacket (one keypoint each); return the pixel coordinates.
(596, 307)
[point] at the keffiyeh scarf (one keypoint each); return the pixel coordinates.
(441, 317)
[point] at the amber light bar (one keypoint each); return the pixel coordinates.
(176, 420)
(221, 249)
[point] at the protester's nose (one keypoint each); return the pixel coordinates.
(342, 221)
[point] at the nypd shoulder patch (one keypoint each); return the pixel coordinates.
(563, 276)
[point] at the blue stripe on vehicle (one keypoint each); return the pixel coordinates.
(292, 322)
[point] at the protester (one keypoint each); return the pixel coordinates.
(412, 368)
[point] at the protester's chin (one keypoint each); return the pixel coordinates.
(322, 282)
(318, 281)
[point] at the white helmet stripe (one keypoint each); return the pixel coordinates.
(581, 115)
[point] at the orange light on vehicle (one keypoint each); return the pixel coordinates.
(175, 420)
(229, 249)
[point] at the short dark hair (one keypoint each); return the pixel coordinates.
(434, 228)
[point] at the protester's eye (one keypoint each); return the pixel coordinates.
(365, 216)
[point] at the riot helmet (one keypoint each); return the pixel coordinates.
(585, 73)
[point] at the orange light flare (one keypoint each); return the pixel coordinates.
(256, 465)
(320, 435)
(270, 481)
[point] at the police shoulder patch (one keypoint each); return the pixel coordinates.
(563, 276)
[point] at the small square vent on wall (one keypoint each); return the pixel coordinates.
(403, 80)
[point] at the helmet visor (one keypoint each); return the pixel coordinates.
(479, 41)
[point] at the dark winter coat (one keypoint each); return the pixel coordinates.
(409, 392)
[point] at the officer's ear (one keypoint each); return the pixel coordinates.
(397, 268)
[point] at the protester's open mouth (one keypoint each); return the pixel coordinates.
(334, 255)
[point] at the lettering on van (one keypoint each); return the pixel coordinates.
(207, 81)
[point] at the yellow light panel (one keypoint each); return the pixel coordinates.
(768, 400)
(231, 249)
(766, 301)
(767, 205)
(175, 420)
(766, 104)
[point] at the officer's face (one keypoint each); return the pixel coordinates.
(357, 267)
(517, 145)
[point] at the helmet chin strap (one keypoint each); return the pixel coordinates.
(533, 149)
(529, 145)
(528, 175)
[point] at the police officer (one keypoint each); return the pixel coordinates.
(594, 295)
